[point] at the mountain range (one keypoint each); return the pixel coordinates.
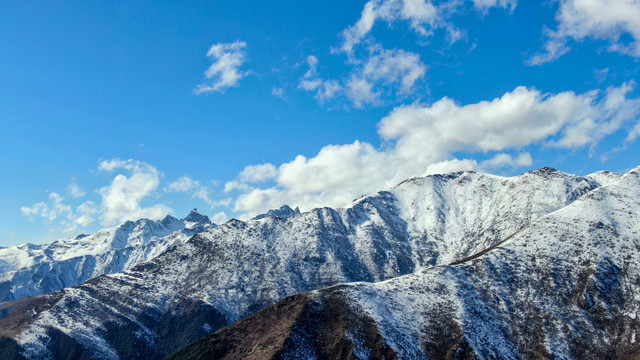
(28, 270)
(462, 265)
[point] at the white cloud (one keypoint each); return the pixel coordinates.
(121, 199)
(84, 213)
(422, 16)
(394, 66)
(329, 90)
(420, 139)
(236, 185)
(453, 165)
(50, 211)
(185, 184)
(85, 220)
(634, 133)
(219, 218)
(325, 90)
(360, 91)
(258, 173)
(74, 190)
(384, 72)
(601, 118)
(225, 70)
(485, 5)
(278, 92)
(39, 209)
(598, 19)
(503, 160)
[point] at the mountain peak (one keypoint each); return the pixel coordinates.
(195, 216)
(283, 212)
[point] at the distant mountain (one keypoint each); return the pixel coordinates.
(564, 287)
(29, 269)
(223, 274)
(284, 212)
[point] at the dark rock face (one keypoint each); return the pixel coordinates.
(299, 327)
(9, 349)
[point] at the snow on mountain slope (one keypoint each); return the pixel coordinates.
(39, 269)
(223, 274)
(283, 212)
(604, 177)
(564, 287)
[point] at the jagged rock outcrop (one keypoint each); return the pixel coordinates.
(283, 212)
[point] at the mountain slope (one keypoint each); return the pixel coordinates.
(226, 273)
(566, 286)
(30, 269)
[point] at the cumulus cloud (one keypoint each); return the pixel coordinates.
(419, 139)
(598, 19)
(225, 70)
(258, 173)
(219, 217)
(121, 199)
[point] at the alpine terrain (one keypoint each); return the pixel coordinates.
(463, 265)
(29, 269)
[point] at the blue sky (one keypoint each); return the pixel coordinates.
(112, 111)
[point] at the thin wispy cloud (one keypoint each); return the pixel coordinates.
(485, 5)
(388, 73)
(225, 71)
(185, 184)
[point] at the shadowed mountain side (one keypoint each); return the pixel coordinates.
(322, 323)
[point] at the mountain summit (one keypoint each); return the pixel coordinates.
(283, 212)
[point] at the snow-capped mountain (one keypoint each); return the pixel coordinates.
(29, 269)
(238, 268)
(283, 212)
(564, 287)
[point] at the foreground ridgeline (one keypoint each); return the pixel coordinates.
(464, 265)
